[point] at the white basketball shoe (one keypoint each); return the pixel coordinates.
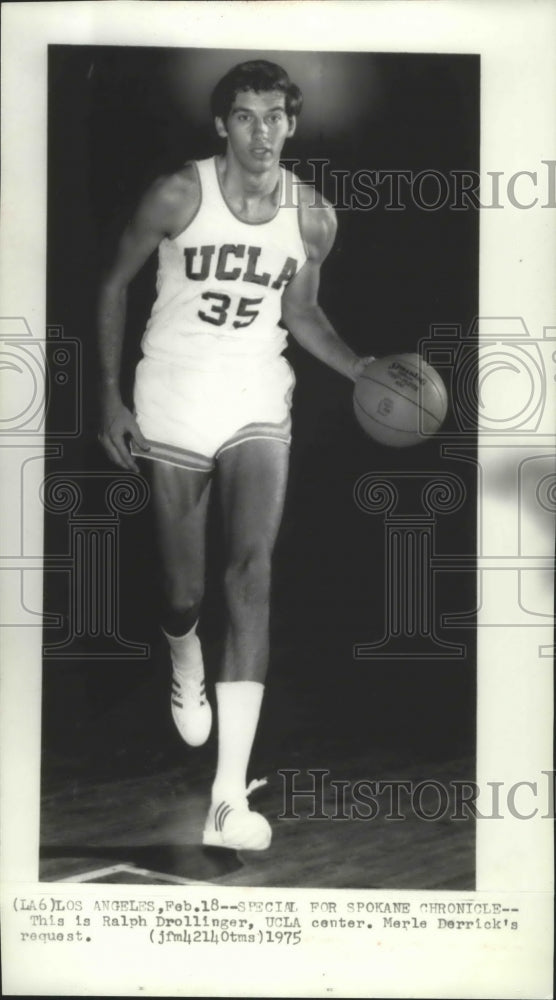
(190, 708)
(233, 824)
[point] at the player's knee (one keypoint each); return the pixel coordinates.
(179, 619)
(183, 597)
(247, 580)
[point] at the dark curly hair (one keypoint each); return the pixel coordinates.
(258, 75)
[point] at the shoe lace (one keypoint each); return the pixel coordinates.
(256, 783)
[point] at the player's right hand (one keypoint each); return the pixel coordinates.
(118, 423)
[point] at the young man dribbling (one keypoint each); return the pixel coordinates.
(212, 391)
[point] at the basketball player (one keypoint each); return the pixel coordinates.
(240, 245)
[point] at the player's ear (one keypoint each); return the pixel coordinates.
(292, 126)
(220, 128)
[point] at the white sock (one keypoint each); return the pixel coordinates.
(239, 706)
(186, 653)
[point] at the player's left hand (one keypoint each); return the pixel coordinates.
(359, 366)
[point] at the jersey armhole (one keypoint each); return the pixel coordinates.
(300, 227)
(294, 188)
(193, 163)
(304, 240)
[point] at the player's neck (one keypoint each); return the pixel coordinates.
(239, 184)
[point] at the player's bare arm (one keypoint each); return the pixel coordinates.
(301, 312)
(165, 210)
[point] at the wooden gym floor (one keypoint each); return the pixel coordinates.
(124, 800)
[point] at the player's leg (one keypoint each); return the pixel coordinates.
(252, 481)
(252, 486)
(180, 500)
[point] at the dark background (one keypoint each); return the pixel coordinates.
(118, 117)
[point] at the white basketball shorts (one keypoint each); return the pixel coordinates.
(190, 417)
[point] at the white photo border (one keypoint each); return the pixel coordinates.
(516, 43)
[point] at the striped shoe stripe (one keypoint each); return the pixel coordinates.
(224, 815)
(217, 812)
(220, 815)
(176, 687)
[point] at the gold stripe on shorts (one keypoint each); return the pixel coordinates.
(173, 455)
(259, 432)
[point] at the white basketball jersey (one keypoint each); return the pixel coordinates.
(220, 283)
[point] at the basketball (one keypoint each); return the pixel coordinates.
(400, 400)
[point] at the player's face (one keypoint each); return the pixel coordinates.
(256, 129)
